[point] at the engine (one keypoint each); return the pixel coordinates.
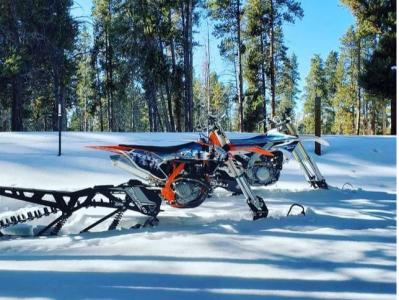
(266, 170)
(192, 186)
(189, 192)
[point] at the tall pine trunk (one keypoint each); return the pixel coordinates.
(187, 11)
(384, 118)
(100, 102)
(169, 82)
(175, 84)
(190, 65)
(164, 108)
(85, 116)
(185, 61)
(169, 116)
(16, 80)
(17, 104)
(176, 91)
(239, 70)
(272, 65)
(107, 82)
(373, 117)
(111, 94)
(112, 125)
(263, 86)
(359, 95)
(393, 113)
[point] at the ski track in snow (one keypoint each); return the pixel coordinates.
(344, 248)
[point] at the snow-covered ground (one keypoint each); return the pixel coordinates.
(344, 248)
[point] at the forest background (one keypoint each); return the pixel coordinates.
(128, 65)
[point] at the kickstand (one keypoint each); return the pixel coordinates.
(296, 204)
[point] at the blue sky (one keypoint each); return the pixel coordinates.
(319, 32)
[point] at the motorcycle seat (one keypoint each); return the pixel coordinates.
(165, 149)
(262, 138)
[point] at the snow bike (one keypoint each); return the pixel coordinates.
(185, 174)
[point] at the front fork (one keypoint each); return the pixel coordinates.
(309, 167)
(255, 203)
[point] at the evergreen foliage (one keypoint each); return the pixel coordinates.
(131, 68)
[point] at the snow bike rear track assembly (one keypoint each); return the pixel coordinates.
(131, 196)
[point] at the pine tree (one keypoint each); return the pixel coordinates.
(349, 111)
(331, 88)
(85, 101)
(227, 15)
(343, 100)
(36, 45)
(255, 109)
(279, 11)
(103, 15)
(266, 62)
(378, 19)
(14, 45)
(287, 87)
(315, 87)
(256, 62)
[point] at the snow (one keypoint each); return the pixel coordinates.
(344, 248)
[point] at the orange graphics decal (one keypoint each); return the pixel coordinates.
(214, 139)
(115, 148)
(255, 149)
(167, 191)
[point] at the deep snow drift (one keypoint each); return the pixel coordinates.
(345, 248)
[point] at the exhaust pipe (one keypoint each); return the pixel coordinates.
(124, 162)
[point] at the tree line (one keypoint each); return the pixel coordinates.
(129, 67)
(357, 85)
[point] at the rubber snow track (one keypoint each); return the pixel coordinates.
(345, 248)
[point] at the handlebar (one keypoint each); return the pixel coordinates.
(278, 122)
(216, 118)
